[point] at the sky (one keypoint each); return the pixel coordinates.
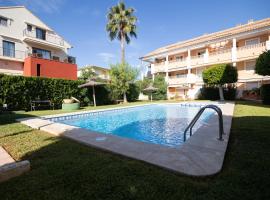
(160, 22)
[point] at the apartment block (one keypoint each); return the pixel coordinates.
(31, 48)
(182, 63)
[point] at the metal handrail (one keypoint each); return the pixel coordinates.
(197, 116)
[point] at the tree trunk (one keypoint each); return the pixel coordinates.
(122, 48)
(221, 96)
(125, 97)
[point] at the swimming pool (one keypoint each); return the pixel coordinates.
(162, 124)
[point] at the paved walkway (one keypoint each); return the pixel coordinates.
(5, 158)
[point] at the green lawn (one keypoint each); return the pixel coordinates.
(63, 169)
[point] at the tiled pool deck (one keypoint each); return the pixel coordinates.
(201, 155)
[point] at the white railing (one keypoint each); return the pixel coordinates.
(250, 50)
(177, 63)
(13, 54)
(159, 67)
(197, 60)
(223, 55)
(183, 78)
(51, 38)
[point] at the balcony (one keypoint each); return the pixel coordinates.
(68, 59)
(177, 64)
(159, 67)
(250, 51)
(197, 60)
(182, 79)
(13, 55)
(49, 39)
(220, 56)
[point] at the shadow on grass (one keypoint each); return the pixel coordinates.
(64, 169)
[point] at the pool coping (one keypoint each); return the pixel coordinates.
(201, 155)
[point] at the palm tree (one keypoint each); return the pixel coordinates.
(121, 25)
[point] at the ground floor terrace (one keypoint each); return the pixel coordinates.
(64, 169)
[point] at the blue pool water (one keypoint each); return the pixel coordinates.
(159, 124)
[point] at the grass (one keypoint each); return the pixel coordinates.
(63, 169)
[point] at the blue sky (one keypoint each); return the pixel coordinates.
(160, 22)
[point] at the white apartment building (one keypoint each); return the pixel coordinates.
(29, 47)
(182, 63)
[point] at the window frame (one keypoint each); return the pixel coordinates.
(40, 33)
(248, 40)
(41, 51)
(4, 19)
(7, 51)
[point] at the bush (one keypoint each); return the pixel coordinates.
(212, 93)
(19, 91)
(161, 93)
(263, 64)
(265, 94)
(133, 92)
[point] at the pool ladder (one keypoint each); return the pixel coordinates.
(197, 116)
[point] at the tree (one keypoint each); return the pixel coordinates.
(122, 75)
(263, 68)
(87, 73)
(219, 75)
(121, 25)
(263, 64)
(160, 83)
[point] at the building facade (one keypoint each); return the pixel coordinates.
(29, 47)
(100, 72)
(183, 63)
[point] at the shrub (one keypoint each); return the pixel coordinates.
(265, 93)
(161, 93)
(212, 93)
(263, 64)
(19, 91)
(133, 92)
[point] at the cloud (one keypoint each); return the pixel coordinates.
(47, 6)
(106, 57)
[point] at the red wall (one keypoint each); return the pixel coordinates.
(50, 68)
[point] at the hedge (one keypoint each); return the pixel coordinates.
(265, 94)
(19, 91)
(212, 93)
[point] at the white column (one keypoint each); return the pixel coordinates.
(153, 71)
(189, 60)
(234, 52)
(206, 55)
(268, 43)
(166, 68)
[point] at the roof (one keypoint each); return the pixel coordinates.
(216, 35)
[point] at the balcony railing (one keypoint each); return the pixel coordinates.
(224, 55)
(178, 63)
(68, 59)
(197, 60)
(216, 57)
(250, 51)
(159, 67)
(181, 79)
(50, 38)
(13, 54)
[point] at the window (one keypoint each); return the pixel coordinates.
(250, 66)
(3, 21)
(29, 27)
(8, 49)
(201, 53)
(252, 41)
(42, 53)
(40, 34)
(179, 58)
(252, 85)
(38, 69)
